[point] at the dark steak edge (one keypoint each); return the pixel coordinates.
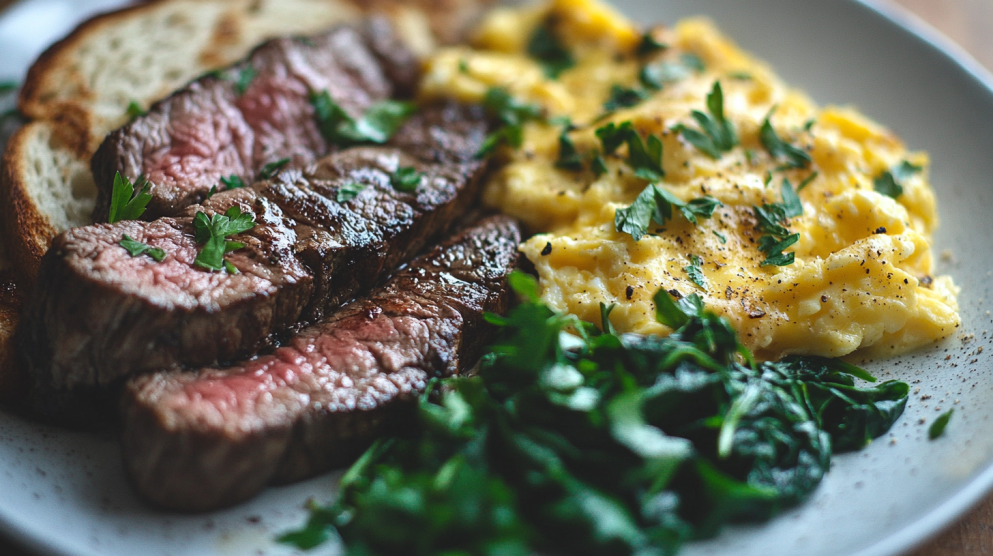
(200, 440)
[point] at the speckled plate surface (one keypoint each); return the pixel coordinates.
(65, 493)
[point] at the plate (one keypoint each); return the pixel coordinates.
(65, 492)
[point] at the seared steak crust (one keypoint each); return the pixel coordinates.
(98, 314)
(200, 440)
(235, 121)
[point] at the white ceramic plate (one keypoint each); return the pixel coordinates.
(65, 493)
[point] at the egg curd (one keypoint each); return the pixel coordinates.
(861, 270)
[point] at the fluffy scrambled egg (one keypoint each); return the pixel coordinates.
(861, 276)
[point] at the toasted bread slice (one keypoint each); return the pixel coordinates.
(80, 89)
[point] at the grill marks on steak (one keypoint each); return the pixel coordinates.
(207, 130)
(98, 314)
(196, 441)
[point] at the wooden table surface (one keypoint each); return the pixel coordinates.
(970, 23)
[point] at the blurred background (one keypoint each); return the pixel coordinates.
(967, 22)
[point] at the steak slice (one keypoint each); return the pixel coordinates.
(97, 314)
(201, 440)
(235, 121)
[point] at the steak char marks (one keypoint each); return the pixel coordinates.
(196, 441)
(97, 314)
(237, 120)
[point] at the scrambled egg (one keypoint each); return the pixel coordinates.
(861, 277)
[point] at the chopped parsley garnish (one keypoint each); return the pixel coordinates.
(740, 75)
(598, 164)
(350, 190)
(721, 237)
(938, 426)
(546, 49)
(573, 440)
(695, 272)
(135, 110)
(772, 221)
(246, 75)
(406, 179)
(137, 249)
(213, 232)
(235, 182)
(124, 203)
(623, 97)
(569, 157)
(463, 66)
(656, 204)
(650, 45)
(270, 170)
(806, 182)
(794, 157)
(613, 136)
(605, 324)
(718, 134)
(512, 114)
(645, 159)
(889, 183)
(377, 125)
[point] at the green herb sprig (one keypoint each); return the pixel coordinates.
(890, 183)
(406, 179)
(124, 203)
(695, 272)
(793, 156)
(546, 49)
(656, 204)
(718, 135)
(511, 114)
(772, 220)
(377, 125)
(212, 234)
(136, 249)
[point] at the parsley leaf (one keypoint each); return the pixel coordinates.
(569, 157)
(613, 136)
(695, 272)
(693, 62)
(795, 157)
(377, 125)
(598, 165)
(605, 311)
(656, 203)
(771, 221)
(646, 160)
(512, 114)
(212, 233)
(137, 248)
(348, 191)
(549, 52)
(235, 182)
(124, 203)
(938, 427)
(246, 75)
(406, 179)
(656, 76)
(721, 237)
(718, 134)
(135, 110)
(270, 170)
(808, 181)
(650, 45)
(623, 97)
(889, 183)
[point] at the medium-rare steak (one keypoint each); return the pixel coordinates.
(200, 440)
(235, 121)
(97, 314)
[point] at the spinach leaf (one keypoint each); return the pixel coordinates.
(596, 444)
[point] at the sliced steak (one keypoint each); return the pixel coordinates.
(235, 121)
(200, 440)
(97, 314)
